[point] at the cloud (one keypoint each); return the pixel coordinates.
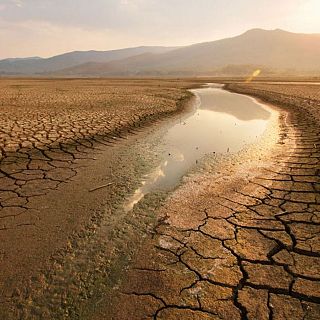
(34, 38)
(83, 13)
(147, 16)
(51, 26)
(17, 3)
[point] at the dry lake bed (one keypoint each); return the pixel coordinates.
(159, 199)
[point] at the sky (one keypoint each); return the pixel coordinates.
(49, 27)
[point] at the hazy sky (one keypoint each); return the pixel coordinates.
(49, 27)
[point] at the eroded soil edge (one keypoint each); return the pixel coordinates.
(242, 245)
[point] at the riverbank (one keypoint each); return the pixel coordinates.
(66, 162)
(209, 251)
(239, 243)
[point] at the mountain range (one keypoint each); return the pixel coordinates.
(272, 51)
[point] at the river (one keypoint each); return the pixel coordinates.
(221, 122)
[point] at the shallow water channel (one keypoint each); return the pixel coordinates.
(222, 122)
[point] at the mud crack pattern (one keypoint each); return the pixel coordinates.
(53, 135)
(48, 126)
(245, 252)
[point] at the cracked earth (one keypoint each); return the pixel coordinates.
(246, 247)
(52, 133)
(47, 127)
(240, 241)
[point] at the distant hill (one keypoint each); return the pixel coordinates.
(37, 65)
(272, 51)
(13, 60)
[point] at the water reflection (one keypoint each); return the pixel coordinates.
(222, 122)
(150, 180)
(239, 106)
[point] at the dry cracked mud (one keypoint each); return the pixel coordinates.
(242, 245)
(51, 135)
(240, 241)
(48, 126)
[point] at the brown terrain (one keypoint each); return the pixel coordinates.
(237, 241)
(243, 244)
(52, 132)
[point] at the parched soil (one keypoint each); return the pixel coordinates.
(51, 135)
(243, 243)
(47, 126)
(238, 241)
(305, 97)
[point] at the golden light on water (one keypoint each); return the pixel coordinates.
(253, 75)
